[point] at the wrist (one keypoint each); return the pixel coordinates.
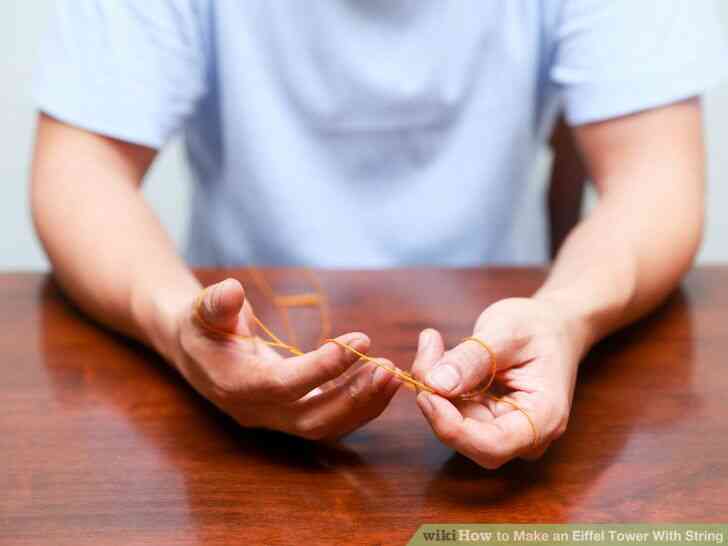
(158, 311)
(581, 329)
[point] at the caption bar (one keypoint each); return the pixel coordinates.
(568, 534)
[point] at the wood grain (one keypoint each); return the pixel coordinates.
(101, 443)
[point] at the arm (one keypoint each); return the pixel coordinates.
(114, 259)
(617, 265)
(109, 252)
(632, 251)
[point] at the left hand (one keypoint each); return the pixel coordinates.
(537, 351)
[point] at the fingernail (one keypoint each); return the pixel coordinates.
(444, 377)
(381, 377)
(211, 298)
(355, 342)
(358, 342)
(424, 399)
(425, 339)
(394, 384)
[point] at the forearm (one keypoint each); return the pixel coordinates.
(109, 252)
(642, 237)
(628, 255)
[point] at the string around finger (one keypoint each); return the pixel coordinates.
(319, 299)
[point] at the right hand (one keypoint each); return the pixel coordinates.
(258, 387)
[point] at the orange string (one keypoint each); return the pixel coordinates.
(319, 299)
(274, 341)
(324, 309)
(267, 291)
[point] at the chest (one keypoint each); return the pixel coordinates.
(352, 65)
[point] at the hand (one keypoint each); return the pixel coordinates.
(251, 382)
(537, 352)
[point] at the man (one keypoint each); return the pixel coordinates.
(370, 134)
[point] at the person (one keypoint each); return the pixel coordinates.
(372, 134)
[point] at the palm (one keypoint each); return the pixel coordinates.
(313, 395)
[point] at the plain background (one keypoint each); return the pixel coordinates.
(168, 185)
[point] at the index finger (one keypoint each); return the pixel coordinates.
(299, 375)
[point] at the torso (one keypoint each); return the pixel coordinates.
(368, 134)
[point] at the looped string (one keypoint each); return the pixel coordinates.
(407, 378)
(493, 368)
(484, 390)
(320, 300)
(274, 341)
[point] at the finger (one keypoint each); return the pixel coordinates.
(430, 349)
(444, 418)
(535, 453)
(220, 306)
(348, 406)
(461, 370)
(301, 374)
(509, 435)
(474, 409)
(489, 443)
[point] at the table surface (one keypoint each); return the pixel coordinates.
(101, 443)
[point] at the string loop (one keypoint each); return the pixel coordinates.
(320, 300)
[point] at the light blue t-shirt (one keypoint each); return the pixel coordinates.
(365, 133)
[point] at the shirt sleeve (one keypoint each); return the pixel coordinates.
(129, 69)
(616, 57)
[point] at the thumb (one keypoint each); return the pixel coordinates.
(220, 305)
(462, 370)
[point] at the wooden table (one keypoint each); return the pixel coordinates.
(101, 443)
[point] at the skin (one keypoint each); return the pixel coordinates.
(618, 264)
(137, 284)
